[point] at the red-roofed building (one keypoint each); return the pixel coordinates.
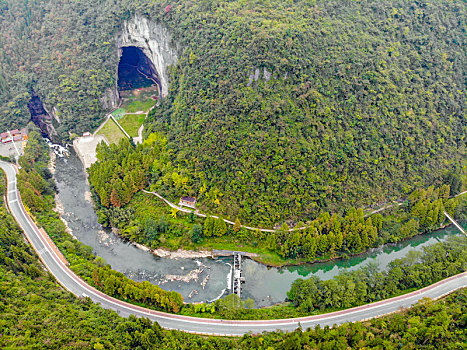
(15, 132)
(17, 138)
(24, 133)
(5, 137)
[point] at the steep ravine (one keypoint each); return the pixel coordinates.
(42, 118)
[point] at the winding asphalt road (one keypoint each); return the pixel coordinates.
(55, 263)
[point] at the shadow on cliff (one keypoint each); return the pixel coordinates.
(135, 70)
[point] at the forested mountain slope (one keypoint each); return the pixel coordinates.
(368, 102)
(36, 313)
(62, 51)
(277, 109)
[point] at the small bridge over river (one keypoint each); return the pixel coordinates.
(237, 277)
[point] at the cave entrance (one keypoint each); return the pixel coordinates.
(136, 71)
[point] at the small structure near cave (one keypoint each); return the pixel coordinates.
(13, 142)
(5, 137)
(187, 201)
(24, 134)
(14, 135)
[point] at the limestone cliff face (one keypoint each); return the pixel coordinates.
(110, 99)
(42, 118)
(256, 74)
(156, 43)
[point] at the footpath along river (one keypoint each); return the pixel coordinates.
(266, 286)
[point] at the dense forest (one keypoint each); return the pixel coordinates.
(365, 103)
(60, 50)
(124, 169)
(277, 110)
(416, 270)
(423, 212)
(279, 114)
(36, 313)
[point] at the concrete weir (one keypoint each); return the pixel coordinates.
(238, 277)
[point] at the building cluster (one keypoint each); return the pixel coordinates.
(14, 135)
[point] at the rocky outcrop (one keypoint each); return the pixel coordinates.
(53, 112)
(156, 43)
(110, 99)
(42, 118)
(256, 74)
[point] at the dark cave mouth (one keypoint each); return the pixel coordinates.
(135, 70)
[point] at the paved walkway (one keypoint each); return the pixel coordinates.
(399, 204)
(199, 214)
(139, 138)
(120, 127)
(459, 227)
(136, 139)
(107, 117)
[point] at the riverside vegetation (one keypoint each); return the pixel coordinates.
(348, 289)
(277, 110)
(37, 188)
(417, 270)
(123, 170)
(36, 313)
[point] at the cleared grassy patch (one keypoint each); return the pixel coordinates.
(118, 113)
(112, 132)
(136, 106)
(228, 242)
(131, 123)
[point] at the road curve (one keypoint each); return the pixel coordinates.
(68, 279)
